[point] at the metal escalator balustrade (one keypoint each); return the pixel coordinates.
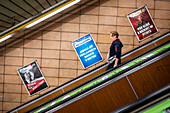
(107, 76)
(95, 70)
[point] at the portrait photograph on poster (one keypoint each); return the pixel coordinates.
(32, 78)
(87, 51)
(142, 23)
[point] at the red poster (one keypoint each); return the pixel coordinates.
(142, 23)
(33, 78)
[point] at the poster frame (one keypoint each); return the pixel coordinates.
(40, 73)
(95, 46)
(145, 6)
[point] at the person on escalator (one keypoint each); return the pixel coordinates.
(114, 53)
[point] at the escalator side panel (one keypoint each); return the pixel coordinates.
(119, 93)
(112, 96)
(84, 79)
(40, 101)
(152, 78)
(163, 40)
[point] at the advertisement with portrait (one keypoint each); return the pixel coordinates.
(32, 78)
(87, 50)
(142, 23)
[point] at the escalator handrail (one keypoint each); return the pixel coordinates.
(97, 76)
(144, 100)
(87, 73)
(86, 90)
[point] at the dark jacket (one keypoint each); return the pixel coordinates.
(115, 48)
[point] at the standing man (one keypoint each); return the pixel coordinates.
(114, 51)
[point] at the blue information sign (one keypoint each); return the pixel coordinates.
(87, 50)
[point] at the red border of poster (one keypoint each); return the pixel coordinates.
(142, 23)
(32, 78)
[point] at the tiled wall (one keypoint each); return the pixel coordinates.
(51, 46)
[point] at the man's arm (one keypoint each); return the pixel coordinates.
(116, 62)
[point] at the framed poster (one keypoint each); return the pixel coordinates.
(142, 23)
(87, 51)
(32, 78)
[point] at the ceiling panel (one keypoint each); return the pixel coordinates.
(13, 12)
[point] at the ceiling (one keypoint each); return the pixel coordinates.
(13, 12)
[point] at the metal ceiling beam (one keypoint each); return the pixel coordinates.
(6, 22)
(40, 4)
(8, 16)
(48, 2)
(13, 11)
(21, 7)
(31, 6)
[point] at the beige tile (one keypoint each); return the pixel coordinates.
(50, 54)
(51, 44)
(26, 97)
(89, 19)
(51, 35)
(66, 46)
(33, 34)
(13, 61)
(32, 52)
(52, 26)
(23, 89)
(1, 60)
(11, 69)
(12, 88)
(64, 80)
(1, 88)
(29, 60)
(125, 3)
(90, 10)
(74, 18)
(1, 80)
(126, 48)
(126, 39)
(108, 20)
(71, 55)
(125, 30)
(124, 11)
(162, 14)
(162, 23)
(69, 36)
(14, 79)
(14, 52)
(149, 3)
(162, 5)
(71, 27)
(161, 32)
(108, 11)
(68, 73)
(104, 38)
(50, 63)
(87, 28)
(123, 21)
(10, 105)
(49, 72)
(108, 2)
(52, 81)
(12, 97)
(104, 47)
(70, 64)
(32, 44)
(1, 69)
(106, 29)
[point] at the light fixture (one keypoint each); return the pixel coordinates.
(52, 14)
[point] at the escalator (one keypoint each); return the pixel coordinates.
(156, 102)
(87, 76)
(117, 87)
